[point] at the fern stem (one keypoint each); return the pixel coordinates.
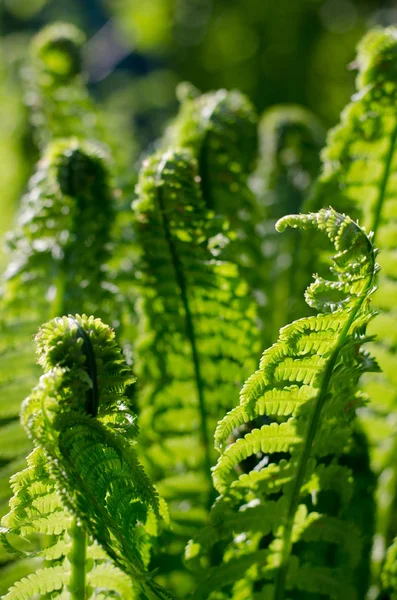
(181, 281)
(57, 304)
(281, 577)
(385, 180)
(77, 559)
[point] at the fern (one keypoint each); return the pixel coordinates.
(84, 476)
(59, 102)
(56, 257)
(220, 129)
(290, 141)
(274, 532)
(359, 165)
(197, 337)
(61, 107)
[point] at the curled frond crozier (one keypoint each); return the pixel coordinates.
(280, 448)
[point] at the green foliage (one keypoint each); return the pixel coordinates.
(57, 96)
(64, 224)
(179, 278)
(197, 341)
(56, 257)
(359, 165)
(220, 129)
(12, 145)
(275, 525)
(273, 51)
(84, 465)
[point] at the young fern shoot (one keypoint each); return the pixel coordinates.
(59, 247)
(279, 528)
(83, 482)
(360, 162)
(56, 257)
(57, 96)
(220, 129)
(197, 337)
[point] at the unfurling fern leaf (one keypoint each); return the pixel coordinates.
(57, 252)
(220, 129)
(290, 139)
(197, 340)
(281, 530)
(56, 257)
(56, 92)
(83, 478)
(360, 162)
(58, 99)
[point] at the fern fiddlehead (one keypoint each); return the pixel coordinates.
(197, 336)
(59, 102)
(56, 257)
(267, 519)
(84, 475)
(220, 129)
(360, 160)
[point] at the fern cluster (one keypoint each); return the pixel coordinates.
(220, 129)
(266, 498)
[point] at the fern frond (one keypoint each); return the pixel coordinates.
(220, 130)
(197, 338)
(57, 253)
(282, 448)
(84, 467)
(56, 92)
(360, 160)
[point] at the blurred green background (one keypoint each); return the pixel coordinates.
(275, 51)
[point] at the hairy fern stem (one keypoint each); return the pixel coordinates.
(281, 577)
(190, 332)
